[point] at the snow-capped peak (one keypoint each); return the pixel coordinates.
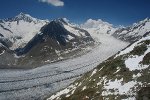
(134, 32)
(22, 15)
(146, 20)
(71, 27)
(26, 18)
(62, 20)
(141, 22)
(23, 26)
(98, 27)
(90, 23)
(66, 21)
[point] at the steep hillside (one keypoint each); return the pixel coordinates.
(134, 32)
(124, 76)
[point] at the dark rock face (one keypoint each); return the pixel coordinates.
(144, 94)
(54, 35)
(5, 28)
(33, 42)
(1, 35)
(2, 48)
(51, 32)
(56, 31)
(6, 42)
(52, 39)
(6, 57)
(146, 34)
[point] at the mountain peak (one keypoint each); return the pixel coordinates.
(25, 17)
(62, 20)
(142, 21)
(20, 15)
(99, 23)
(146, 19)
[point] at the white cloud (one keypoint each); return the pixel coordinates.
(90, 23)
(53, 2)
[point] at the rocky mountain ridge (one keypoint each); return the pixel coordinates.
(52, 41)
(134, 32)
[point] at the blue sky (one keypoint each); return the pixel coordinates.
(117, 12)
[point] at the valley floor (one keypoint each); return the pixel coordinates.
(40, 82)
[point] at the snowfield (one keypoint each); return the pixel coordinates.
(117, 85)
(41, 82)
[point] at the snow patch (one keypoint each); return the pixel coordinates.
(129, 49)
(93, 72)
(118, 69)
(74, 31)
(133, 63)
(136, 76)
(2, 52)
(83, 88)
(70, 37)
(118, 86)
(65, 91)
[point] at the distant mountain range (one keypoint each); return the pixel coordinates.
(98, 27)
(35, 42)
(134, 32)
(25, 40)
(129, 34)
